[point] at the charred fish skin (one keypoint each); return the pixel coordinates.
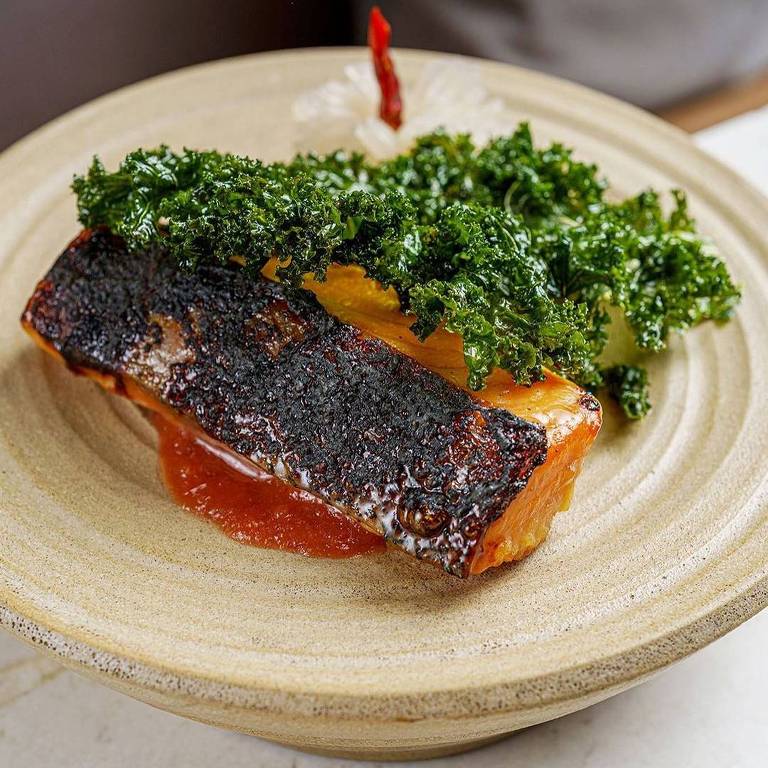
(267, 371)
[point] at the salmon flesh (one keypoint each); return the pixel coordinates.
(330, 406)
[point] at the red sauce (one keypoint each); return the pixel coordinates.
(251, 506)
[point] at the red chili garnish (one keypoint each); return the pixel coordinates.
(379, 33)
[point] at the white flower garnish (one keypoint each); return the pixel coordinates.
(448, 93)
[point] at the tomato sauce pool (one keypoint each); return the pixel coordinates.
(250, 505)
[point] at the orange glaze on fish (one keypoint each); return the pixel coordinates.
(571, 416)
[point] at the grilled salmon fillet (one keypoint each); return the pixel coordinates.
(272, 375)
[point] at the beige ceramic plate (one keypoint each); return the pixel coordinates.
(664, 550)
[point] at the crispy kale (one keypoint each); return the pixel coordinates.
(514, 248)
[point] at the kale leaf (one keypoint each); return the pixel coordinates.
(514, 248)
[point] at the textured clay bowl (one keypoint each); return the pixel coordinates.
(664, 550)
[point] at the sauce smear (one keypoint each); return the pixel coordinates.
(250, 505)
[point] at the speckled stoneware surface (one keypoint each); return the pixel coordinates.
(664, 549)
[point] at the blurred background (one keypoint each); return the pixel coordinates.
(696, 62)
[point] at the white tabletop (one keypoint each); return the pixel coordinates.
(709, 711)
